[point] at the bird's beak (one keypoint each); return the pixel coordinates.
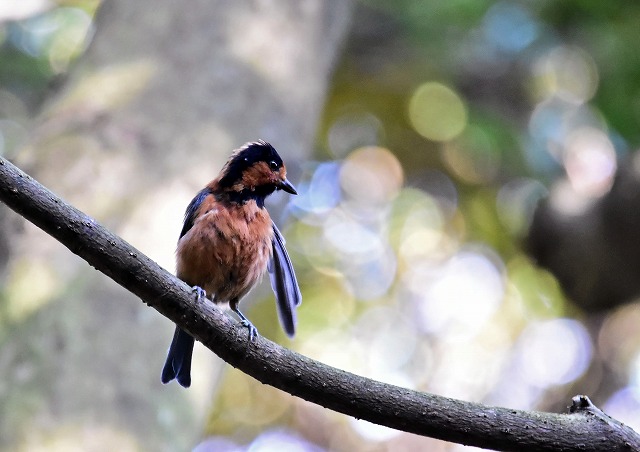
(286, 186)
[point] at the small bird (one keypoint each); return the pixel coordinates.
(227, 242)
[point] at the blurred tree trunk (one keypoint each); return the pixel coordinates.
(163, 94)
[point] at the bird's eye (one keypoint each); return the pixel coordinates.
(274, 165)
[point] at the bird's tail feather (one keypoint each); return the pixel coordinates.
(178, 364)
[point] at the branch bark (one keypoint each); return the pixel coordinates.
(585, 428)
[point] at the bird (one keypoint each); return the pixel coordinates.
(227, 243)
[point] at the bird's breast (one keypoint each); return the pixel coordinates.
(227, 249)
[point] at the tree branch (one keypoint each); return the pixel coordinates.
(585, 428)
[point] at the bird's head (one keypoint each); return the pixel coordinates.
(254, 171)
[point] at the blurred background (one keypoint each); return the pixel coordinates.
(467, 219)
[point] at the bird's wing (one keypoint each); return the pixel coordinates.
(192, 210)
(284, 283)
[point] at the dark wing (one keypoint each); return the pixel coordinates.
(192, 210)
(284, 283)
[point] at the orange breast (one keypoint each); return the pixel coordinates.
(226, 250)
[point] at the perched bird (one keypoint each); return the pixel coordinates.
(227, 242)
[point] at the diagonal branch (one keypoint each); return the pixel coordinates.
(585, 428)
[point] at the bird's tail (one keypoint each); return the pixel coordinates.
(178, 364)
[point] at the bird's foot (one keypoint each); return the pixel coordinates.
(200, 292)
(253, 331)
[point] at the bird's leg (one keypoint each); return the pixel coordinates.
(253, 331)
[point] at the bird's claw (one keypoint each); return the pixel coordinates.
(200, 292)
(253, 331)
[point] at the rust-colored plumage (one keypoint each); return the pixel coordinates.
(234, 240)
(228, 241)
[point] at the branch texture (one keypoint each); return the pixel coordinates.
(585, 428)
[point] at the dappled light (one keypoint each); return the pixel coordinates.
(590, 161)
(567, 73)
(455, 300)
(515, 203)
(553, 352)
(472, 157)
(509, 27)
(437, 112)
(56, 36)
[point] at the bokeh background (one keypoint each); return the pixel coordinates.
(421, 135)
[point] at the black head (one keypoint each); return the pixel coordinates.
(253, 171)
